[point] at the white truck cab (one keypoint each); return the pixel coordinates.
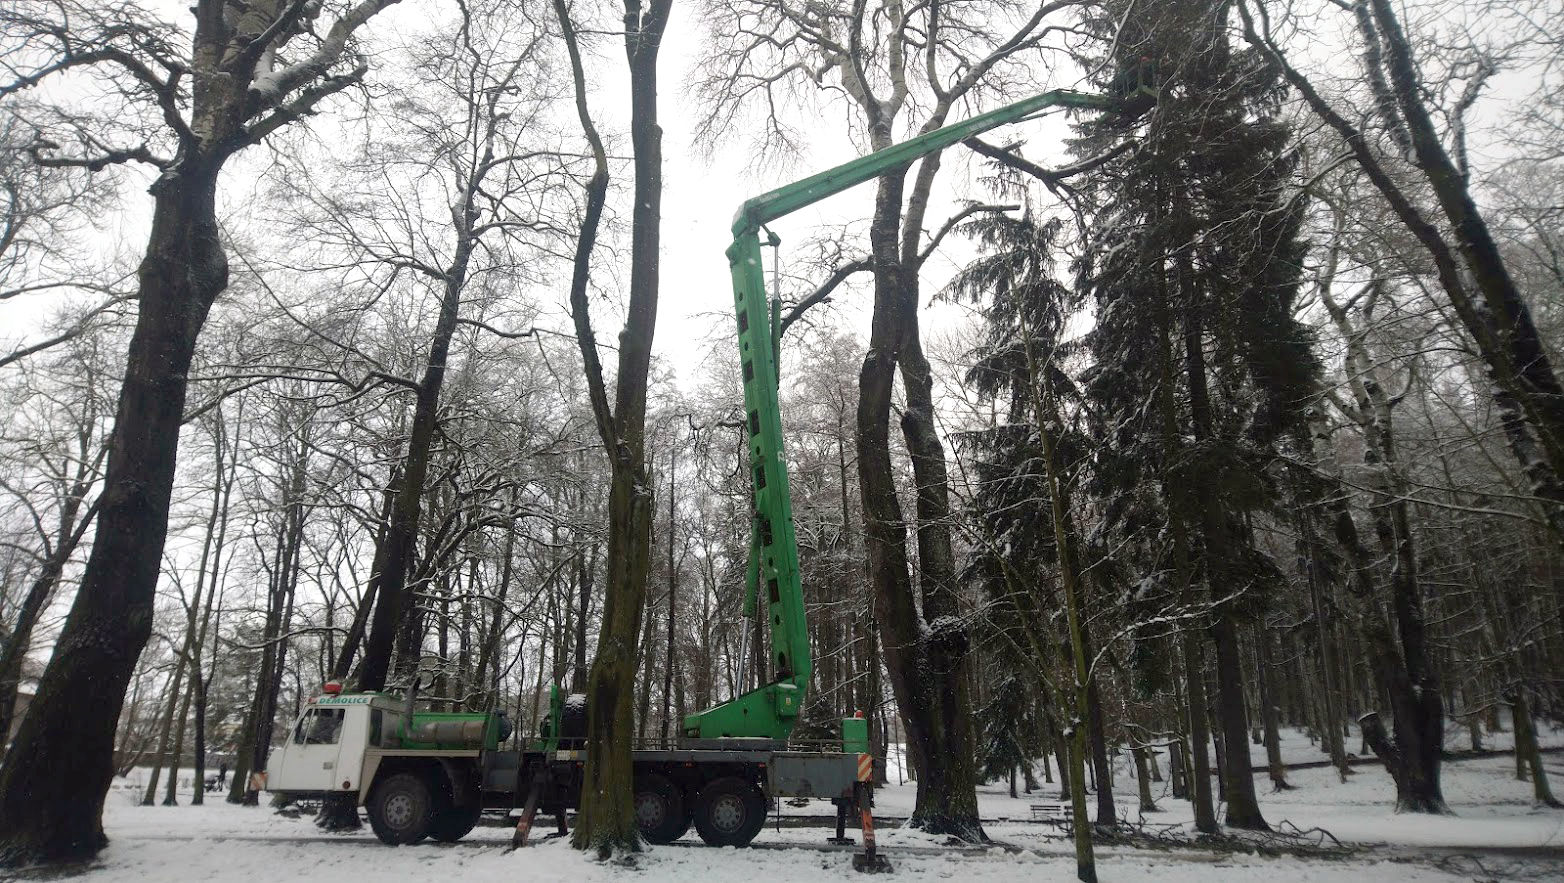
(417, 773)
(326, 747)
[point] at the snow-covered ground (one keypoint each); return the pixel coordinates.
(1495, 822)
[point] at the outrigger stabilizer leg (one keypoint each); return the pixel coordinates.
(841, 838)
(530, 811)
(869, 861)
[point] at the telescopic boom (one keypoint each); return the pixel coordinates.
(771, 710)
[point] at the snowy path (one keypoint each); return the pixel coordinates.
(1496, 823)
(215, 845)
(219, 842)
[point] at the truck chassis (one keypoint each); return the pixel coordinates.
(363, 746)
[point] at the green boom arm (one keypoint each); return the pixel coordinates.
(771, 710)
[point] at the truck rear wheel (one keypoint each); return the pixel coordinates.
(659, 809)
(452, 823)
(401, 809)
(729, 812)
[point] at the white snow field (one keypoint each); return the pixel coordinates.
(1495, 834)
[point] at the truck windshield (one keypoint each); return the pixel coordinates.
(319, 726)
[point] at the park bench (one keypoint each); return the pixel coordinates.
(1053, 812)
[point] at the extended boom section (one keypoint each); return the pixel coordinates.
(771, 710)
(785, 200)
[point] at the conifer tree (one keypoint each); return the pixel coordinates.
(1193, 262)
(1024, 496)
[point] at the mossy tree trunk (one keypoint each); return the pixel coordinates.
(606, 823)
(57, 773)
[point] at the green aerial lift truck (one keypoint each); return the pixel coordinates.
(425, 774)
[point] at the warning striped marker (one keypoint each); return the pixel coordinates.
(865, 767)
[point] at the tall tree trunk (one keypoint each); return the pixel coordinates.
(648, 668)
(586, 576)
(171, 795)
(1102, 768)
(606, 823)
(1330, 685)
(1243, 807)
(1403, 664)
(489, 651)
(673, 603)
(1526, 746)
(1086, 705)
(926, 650)
(209, 575)
(394, 620)
(610, 690)
(175, 683)
(342, 668)
(54, 779)
(283, 584)
(1061, 742)
(1269, 712)
(198, 692)
(1143, 781)
(1197, 772)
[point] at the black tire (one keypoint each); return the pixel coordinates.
(453, 823)
(573, 724)
(729, 812)
(659, 809)
(401, 809)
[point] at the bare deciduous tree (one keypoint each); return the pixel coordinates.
(250, 69)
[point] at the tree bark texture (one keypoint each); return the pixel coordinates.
(606, 823)
(55, 777)
(925, 651)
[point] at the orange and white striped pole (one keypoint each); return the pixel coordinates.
(865, 776)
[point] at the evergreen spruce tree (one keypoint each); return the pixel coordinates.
(1025, 481)
(1008, 732)
(1193, 260)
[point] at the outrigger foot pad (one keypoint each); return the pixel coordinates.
(871, 863)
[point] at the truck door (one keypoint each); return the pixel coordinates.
(310, 758)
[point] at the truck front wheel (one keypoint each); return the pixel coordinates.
(729, 812)
(401, 809)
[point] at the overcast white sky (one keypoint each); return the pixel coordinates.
(700, 195)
